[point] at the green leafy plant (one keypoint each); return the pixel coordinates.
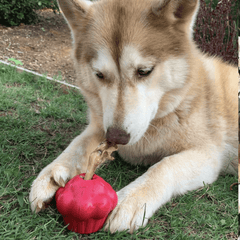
(14, 12)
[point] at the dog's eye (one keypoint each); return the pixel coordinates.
(144, 72)
(100, 75)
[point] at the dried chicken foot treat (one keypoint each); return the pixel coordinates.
(99, 156)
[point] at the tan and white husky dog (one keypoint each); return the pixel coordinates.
(151, 91)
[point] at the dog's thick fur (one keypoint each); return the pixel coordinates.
(140, 72)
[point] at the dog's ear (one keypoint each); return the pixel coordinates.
(176, 11)
(75, 12)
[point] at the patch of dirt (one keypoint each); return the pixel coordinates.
(44, 48)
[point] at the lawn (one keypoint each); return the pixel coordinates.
(38, 119)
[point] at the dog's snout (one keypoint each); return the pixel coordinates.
(118, 136)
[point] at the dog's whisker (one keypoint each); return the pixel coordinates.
(154, 127)
(146, 138)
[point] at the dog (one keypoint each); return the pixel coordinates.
(152, 92)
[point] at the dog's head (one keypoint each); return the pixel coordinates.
(132, 60)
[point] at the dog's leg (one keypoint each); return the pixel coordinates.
(71, 162)
(172, 176)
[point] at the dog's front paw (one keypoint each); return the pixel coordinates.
(133, 211)
(46, 184)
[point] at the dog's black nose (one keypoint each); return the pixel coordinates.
(118, 136)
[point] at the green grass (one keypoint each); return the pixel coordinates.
(38, 119)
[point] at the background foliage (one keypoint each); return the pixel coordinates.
(216, 29)
(15, 12)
